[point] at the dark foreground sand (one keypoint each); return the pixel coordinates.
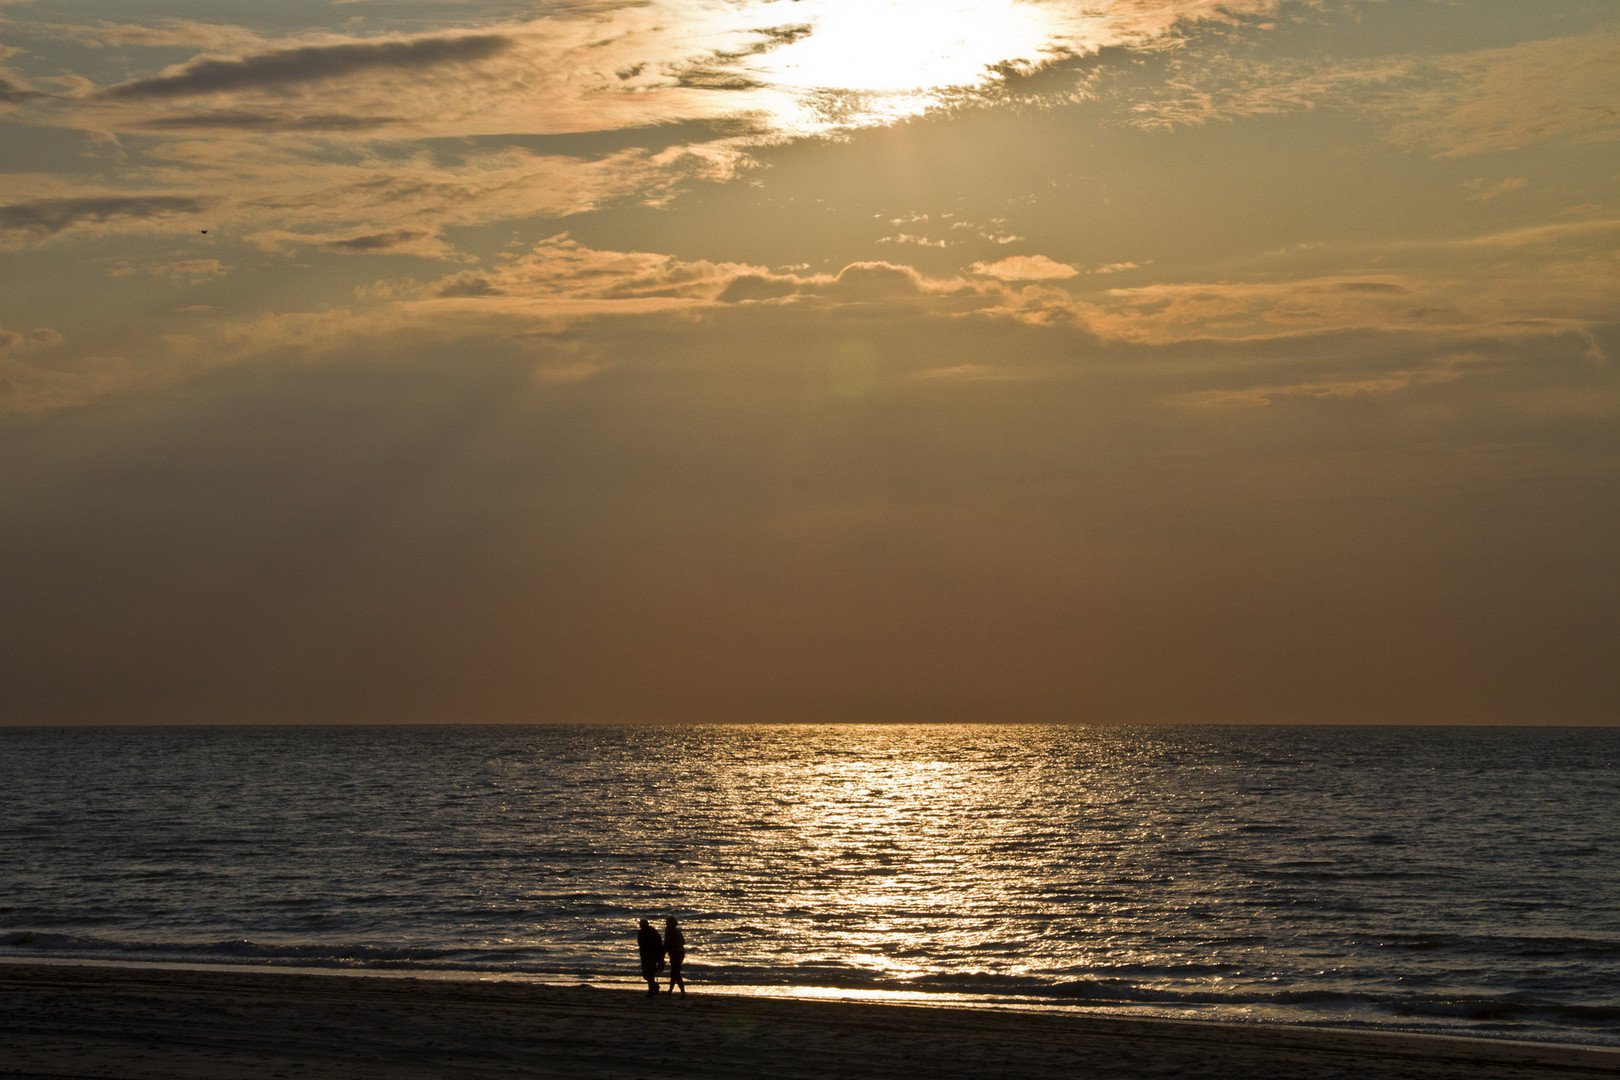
(87, 1021)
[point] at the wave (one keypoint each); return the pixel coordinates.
(1360, 1007)
(1119, 992)
(80, 946)
(1102, 992)
(1129, 869)
(1487, 946)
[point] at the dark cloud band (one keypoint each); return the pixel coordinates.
(289, 66)
(12, 94)
(238, 120)
(53, 215)
(383, 241)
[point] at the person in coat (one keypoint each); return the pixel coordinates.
(675, 942)
(652, 956)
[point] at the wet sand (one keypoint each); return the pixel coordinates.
(133, 1022)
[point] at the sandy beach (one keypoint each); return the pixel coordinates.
(134, 1022)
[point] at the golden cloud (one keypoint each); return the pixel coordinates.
(1026, 268)
(1456, 104)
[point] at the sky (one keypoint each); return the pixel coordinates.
(729, 360)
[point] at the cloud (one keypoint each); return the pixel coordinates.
(1598, 230)
(11, 341)
(562, 287)
(1201, 88)
(1490, 100)
(13, 94)
(47, 217)
(911, 238)
(406, 240)
(558, 284)
(1560, 89)
(556, 291)
(383, 241)
(1484, 191)
(246, 121)
(282, 197)
(725, 516)
(1442, 288)
(875, 281)
(1245, 310)
(1446, 369)
(755, 287)
(312, 63)
(576, 70)
(564, 291)
(467, 284)
(1026, 268)
(563, 279)
(721, 439)
(774, 69)
(194, 269)
(281, 125)
(563, 268)
(1385, 287)
(1534, 280)
(188, 270)
(166, 33)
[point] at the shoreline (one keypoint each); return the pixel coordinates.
(75, 1019)
(1262, 1014)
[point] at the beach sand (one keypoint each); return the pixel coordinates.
(136, 1022)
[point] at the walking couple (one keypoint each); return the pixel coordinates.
(653, 949)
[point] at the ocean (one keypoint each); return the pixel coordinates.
(1461, 880)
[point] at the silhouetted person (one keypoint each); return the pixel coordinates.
(652, 956)
(675, 941)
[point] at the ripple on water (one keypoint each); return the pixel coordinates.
(1455, 876)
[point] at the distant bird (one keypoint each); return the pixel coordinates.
(205, 232)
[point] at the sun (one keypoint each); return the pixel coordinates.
(882, 59)
(894, 46)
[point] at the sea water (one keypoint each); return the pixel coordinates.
(1456, 879)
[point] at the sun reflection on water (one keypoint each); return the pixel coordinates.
(1244, 870)
(902, 859)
